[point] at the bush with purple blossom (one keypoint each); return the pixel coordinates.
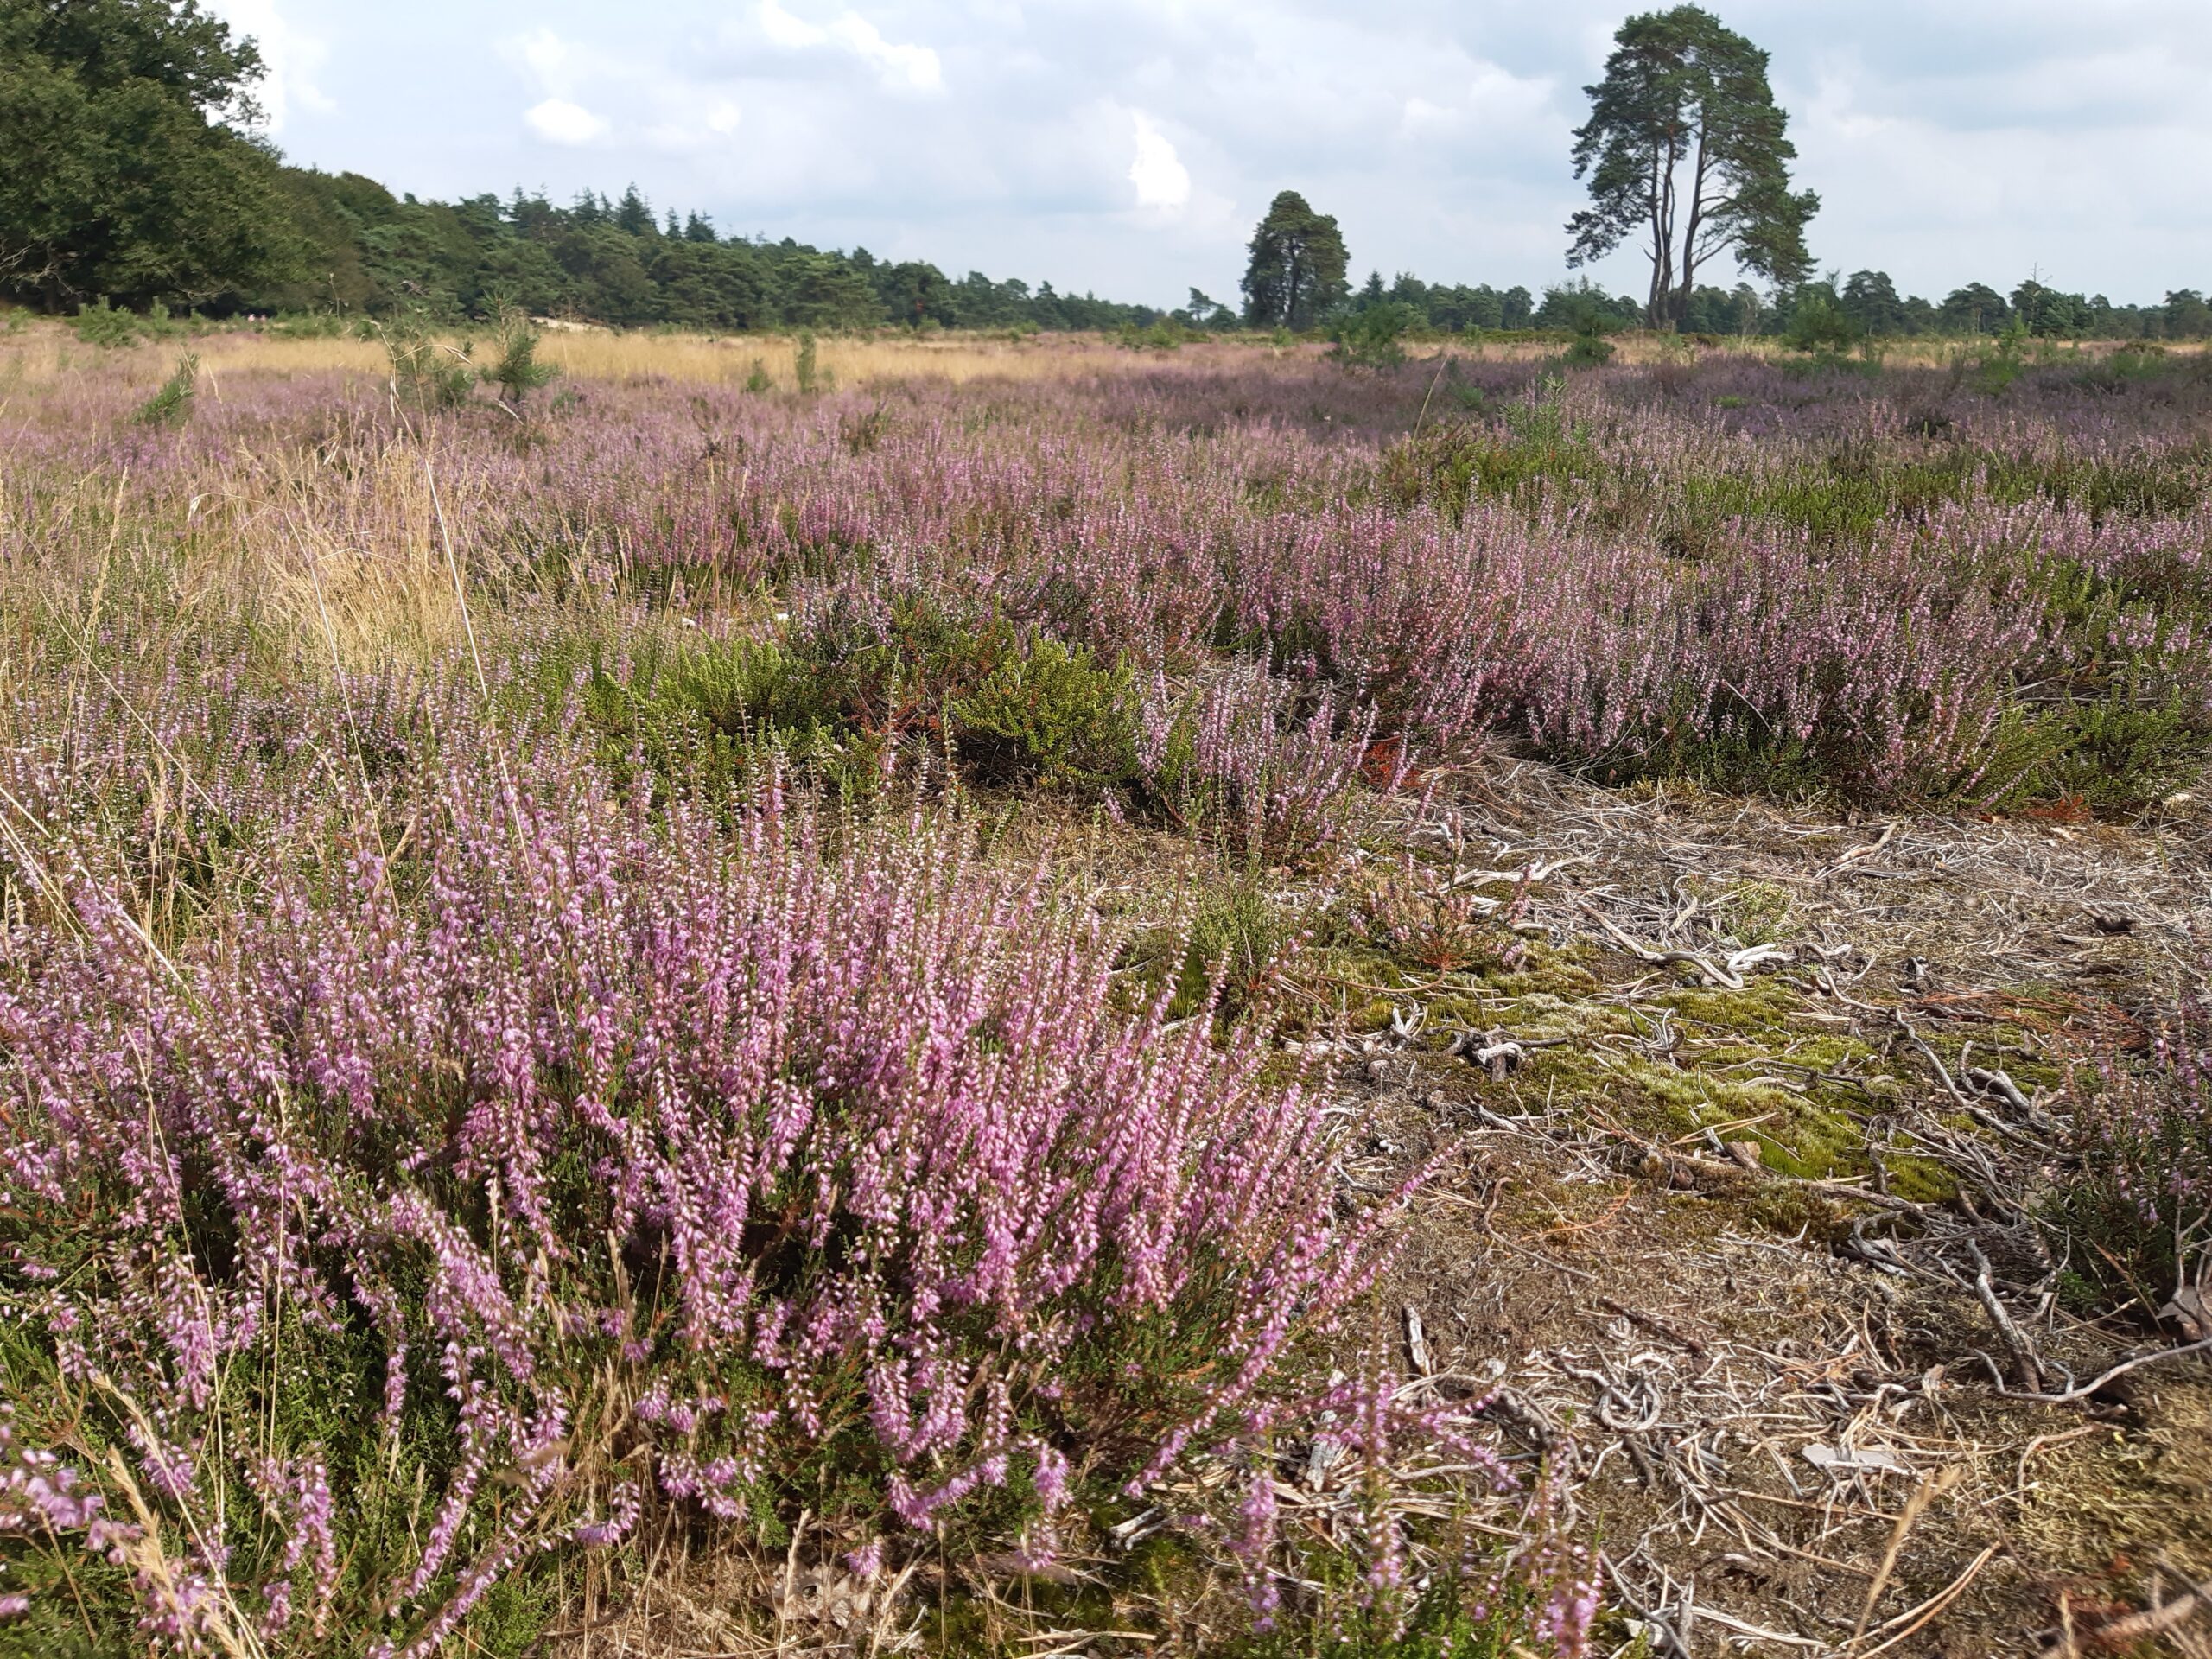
(490, 1165)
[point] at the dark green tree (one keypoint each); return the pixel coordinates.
(1870, 299)
(1686, 149)
(914, 292)
(818, 291)
(2047, 313)
(127, 167)
(1977, 308)
(1206, 312)
(635, 215)
(1297, 268)
(2185, 315)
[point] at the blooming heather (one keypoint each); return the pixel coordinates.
(722, 1152)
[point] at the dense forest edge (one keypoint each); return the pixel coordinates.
(144, 182)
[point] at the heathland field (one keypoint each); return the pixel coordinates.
(1045, 998)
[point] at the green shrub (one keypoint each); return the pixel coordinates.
(427, 373)
(1048, 712)
(1448, 465)
(1589, 349)
(1373, 338)
(803, 373)
(172, 404)
(516, 371)
(103, 325)
(837, 698)
(312, 324)
(1818, 326)
(1994, 371)
(1165, 335)
(1229, 954)
(2118, 754)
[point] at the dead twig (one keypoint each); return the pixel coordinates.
(2072, 1396)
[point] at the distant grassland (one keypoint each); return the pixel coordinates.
(43, 351)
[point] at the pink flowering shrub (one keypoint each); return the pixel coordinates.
(1239, 759)
(2141, 1192)
(1786, 587)
(492, 1161)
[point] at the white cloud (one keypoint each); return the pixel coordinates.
(293, 58)
(723, 119)
(897, 63)
(786, 31)
(548, 57)
(559, 122)
(915, 65)
(1158, 172)
(1491, 101)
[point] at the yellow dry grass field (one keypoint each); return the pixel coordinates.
(40, 354)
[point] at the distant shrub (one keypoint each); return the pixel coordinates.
(1589, 349)
(759, 381)
(1374, 336)
(1994, 368)
(426, 373)
(515, 369)
(1163, 334)
(312, 324)
(804, 373)
(1818, 326)
(104, 325)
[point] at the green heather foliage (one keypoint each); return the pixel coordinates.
(104, 325)
(428, 373)
(1372, 337)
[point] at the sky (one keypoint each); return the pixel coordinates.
(1127, 147)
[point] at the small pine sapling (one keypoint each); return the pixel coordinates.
(516, 371)
(172, 404)
(426, 372)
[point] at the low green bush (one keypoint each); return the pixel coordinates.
(1049, 713)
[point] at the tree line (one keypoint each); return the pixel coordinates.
(612, 261)
(134, 175)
